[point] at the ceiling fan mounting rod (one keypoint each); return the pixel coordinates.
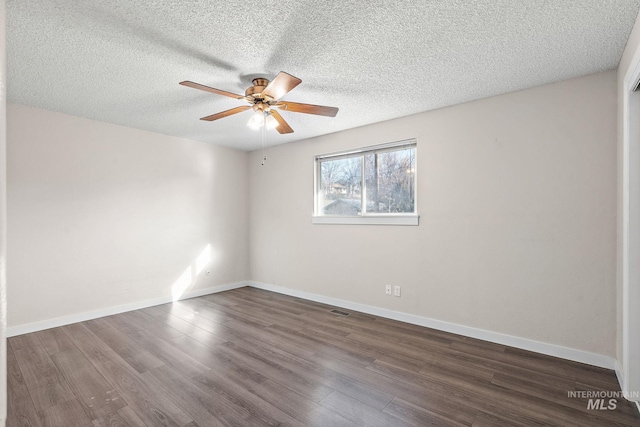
(260, 81)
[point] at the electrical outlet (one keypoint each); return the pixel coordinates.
(387, 290)
(396, 291)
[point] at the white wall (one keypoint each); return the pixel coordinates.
(102, 215)
(517, 204)
(516, 196)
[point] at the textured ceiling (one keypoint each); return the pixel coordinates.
(120, 61)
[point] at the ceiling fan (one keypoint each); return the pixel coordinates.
(264, 97)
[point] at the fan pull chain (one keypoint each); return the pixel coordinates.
(264, 137)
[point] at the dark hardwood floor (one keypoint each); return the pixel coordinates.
(248, 357)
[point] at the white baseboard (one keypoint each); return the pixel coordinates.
(108, 311)
(482, 334)
(619, 374)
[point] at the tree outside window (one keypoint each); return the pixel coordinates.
(370, 181)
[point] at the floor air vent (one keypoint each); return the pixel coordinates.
(340, 313)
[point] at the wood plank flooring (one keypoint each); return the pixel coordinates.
(248, 357)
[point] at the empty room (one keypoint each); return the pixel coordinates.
(296, 213)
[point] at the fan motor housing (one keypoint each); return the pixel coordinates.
(259, 85)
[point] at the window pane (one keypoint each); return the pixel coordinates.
(390, 181)
(341, 186)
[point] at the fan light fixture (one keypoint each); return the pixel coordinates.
(261, 119)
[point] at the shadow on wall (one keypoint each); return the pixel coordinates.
(191, 273)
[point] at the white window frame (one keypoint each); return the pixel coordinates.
(376, 218)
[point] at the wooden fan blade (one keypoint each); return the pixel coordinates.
(226, 113)
(212, 90)
(319, 110)
(283, 126)
(281, 85)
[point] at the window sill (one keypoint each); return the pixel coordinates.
(367, 220)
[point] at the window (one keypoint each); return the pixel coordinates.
(373, 185)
